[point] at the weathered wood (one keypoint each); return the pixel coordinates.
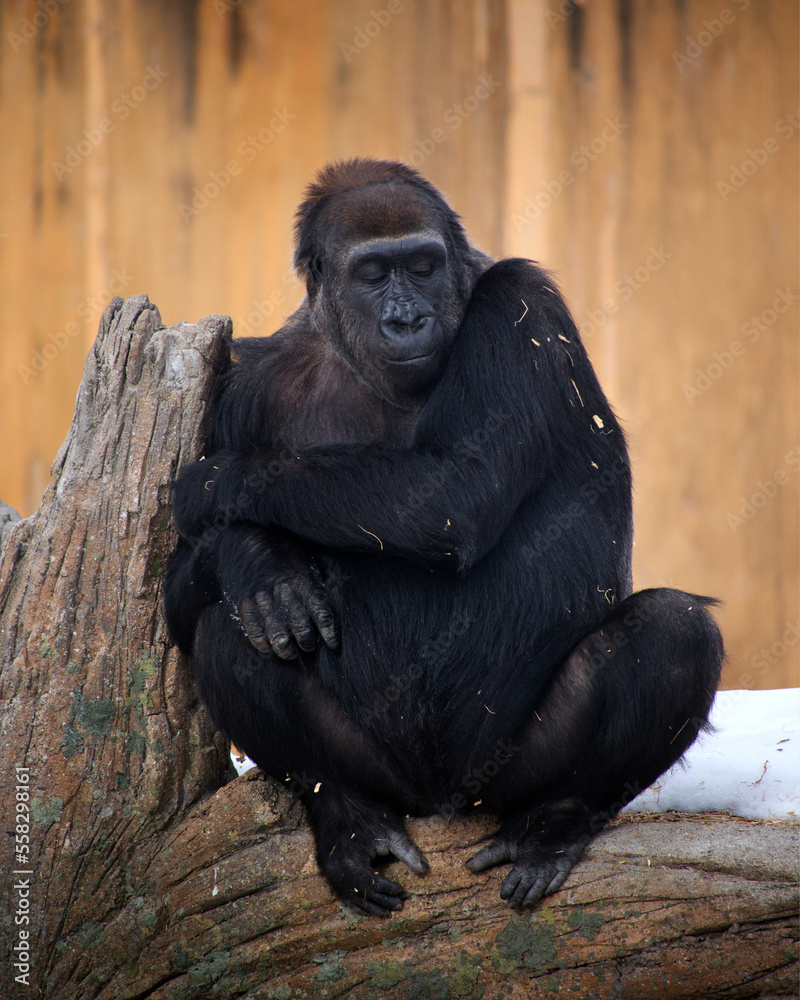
(151, 877)
(95, 704)
(8, 518)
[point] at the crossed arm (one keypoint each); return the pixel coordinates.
(484, 441)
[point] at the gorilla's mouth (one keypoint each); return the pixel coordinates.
(415, 360)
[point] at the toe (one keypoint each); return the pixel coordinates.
(404, 849)
(497, 853)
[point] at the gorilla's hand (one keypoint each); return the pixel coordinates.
(275, 589)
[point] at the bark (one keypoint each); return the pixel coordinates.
(146, 872)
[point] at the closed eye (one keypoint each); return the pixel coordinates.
(371, 274)
(422, 269)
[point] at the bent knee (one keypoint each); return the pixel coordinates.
(675, 628)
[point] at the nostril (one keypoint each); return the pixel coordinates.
(420, 323)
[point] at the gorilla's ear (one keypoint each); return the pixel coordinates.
(313, 276)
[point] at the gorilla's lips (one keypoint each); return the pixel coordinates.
(414, 360)
(415, 350)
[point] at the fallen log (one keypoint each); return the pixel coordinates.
(135, 867)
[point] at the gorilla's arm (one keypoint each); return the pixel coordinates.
(267, 577)
(517, 382)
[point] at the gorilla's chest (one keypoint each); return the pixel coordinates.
(327, 404)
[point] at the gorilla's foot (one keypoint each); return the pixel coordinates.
(543, 844)
(349, 838)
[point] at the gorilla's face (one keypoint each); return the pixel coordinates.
(387, 288)
(397, 313)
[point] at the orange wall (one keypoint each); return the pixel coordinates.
(162, 148)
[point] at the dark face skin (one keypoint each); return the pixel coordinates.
(399, 314)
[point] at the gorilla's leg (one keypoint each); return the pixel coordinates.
(282, 716)
(625, 705)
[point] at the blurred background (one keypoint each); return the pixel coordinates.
(646, 151)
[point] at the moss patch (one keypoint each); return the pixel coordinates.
(525, 942)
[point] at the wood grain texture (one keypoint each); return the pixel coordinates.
(93, 701)
(149, 876)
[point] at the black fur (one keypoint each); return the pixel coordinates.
(445, 554)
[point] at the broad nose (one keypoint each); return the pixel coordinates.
(404, 318)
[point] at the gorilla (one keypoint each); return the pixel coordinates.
(404, 573)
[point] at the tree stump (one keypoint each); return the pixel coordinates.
(135, 867)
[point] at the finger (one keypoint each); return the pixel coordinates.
(497, 853)
(404, 849)
(382, 907)
(320, 613)
(384, 892)
(298, 618)
(282, 645)
(524, 887)
(252, 620)
(513, 883)
(560, 877)
(280, 641)
(325, 623)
